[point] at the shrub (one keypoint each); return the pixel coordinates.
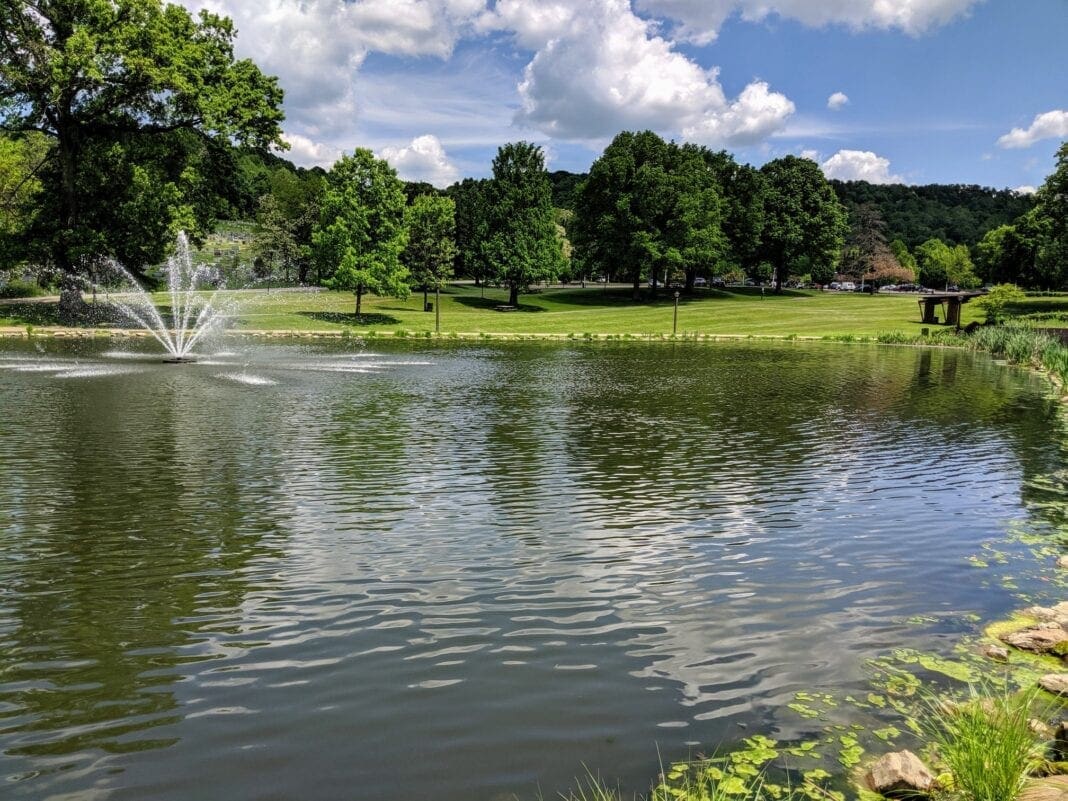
(995, 302)
(18, 288)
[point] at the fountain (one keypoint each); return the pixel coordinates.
(193, 312)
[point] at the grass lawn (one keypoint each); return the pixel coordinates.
(575, 311)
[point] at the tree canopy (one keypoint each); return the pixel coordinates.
(361, 232)
(431, 250)
(521, 241)
(140, 102)
(803, 220)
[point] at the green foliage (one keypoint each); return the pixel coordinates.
(941, 265)
(431, 223)
(986, 743)
(650, 208)
(1051, 220)
(521, 244)
(20, 160)
(955, 213)
(140, 102)
(472, 217)
(361, 233)
(904, 257)
(802, 216)
(995, 302)
(18, 288)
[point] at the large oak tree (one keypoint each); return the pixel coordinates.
(141, 103)
(803, 220)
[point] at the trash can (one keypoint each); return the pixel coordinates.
(428, 306)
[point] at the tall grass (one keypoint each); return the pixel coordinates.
(987, 743)
(1019, 344)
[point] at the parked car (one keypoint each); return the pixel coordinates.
(848, 286)
(719, 283)
(699, 281)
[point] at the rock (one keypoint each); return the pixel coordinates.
(1061, 609)
(1059, 746)
(1062, 562)
(995, 652)
(1040, 728)
(899, 774)
(1056, 683)
(1039, 639)
(1043, 613)
(1052, 788)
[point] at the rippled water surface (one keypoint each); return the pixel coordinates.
(428, 571)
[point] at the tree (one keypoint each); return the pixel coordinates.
(472, 220)
(693, 232)
(885, 269)
(904, 258)
(942, 265)
(521, 244)
(1051, 213)
(21, 159)
(138, 100)
(619, 208)
(361, 232)
(802, 216)
(1008, 253)
(431, 222)
(275, 245)
(742, 188)
(865, 246)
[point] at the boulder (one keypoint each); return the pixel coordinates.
(1056, 683)
(900, 774)
(995, 652)
(1043, 613)
(1038, 639)
(1052, 788)
(1062, 562)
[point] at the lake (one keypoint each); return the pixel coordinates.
(335, 569)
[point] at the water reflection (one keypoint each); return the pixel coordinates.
(467, 571)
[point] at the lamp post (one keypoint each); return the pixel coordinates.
(437, 308)
(675, 321)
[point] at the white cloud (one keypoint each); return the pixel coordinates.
(811, 155)
(423, 159)
(598, 68)
(1051, 125)
(753, 117)
(316, 46)
(307, 153)
(860, 165)
(837, 100)
(700, 20)
(1026, 189)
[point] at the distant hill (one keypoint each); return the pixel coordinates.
(956, 213)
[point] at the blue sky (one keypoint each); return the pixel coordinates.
(926, 91)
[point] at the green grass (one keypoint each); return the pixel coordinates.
(561, 312)
(987, 744)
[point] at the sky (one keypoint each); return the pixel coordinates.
(889, 91)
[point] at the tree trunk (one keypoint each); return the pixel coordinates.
(72, 306)
(778, 278)
(359, 299)
(636, 293)
(513, 295)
